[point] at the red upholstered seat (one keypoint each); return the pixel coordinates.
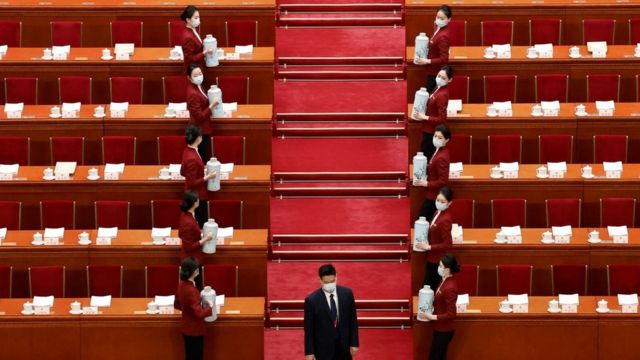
(241, 32)
(555, 148)
(545, 31)
(126, 89)
(508, 212)
(119, 149)
(66, 33)
(514, 279)
(552, 87)
(103, 280)
(58, 213)
(623, 279)
(47, 281)
(460, 148)
(467, 279)
(634, 31)
(75, 89)
(165, 213)
(11, 33)
(126, 32)
(21, 90)
(174, 88)
(15, 150)
(229, 149)
(234, 88)
(223, 278)
(10, 215)
(161, 280)
(617, 212)
(170, 149)
(457, 32)
(598, 30)
(6, 281)
(175, 32)
(112, 213)
(569, 279)
(610, 148)
(496, 32)
(227, 212)
(462, 212)
(500, 88)
(505, 148)
(561, 212)
(67, 148)
(459, 88)
(603, 87)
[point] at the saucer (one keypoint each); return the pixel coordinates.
(575, 56)
(93, 177)
(169, 116)
(500, 241)
(582, 114)
(507, 311)
(532, 57)
(489, 56)
(491, 115)
(48, 177)
(592, 241)
(168, 177)
(602, 311)
(55, 116)
(47, 58)
(542, 176)
(545, 241)
(41, 242)
(161, 242)
(554, 311)
(588, 176)
(152, 312)
(88, 242)
(99, 116)
(27, 312)
(75, 312)
(537, 115)
(175, 58)
(106, 58)
(495, 176)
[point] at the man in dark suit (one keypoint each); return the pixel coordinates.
(330, 320)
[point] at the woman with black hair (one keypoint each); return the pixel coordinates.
(437, 170)
(193, 170)
(439, 43)
(200, 110)
(189, 231)
(188, 301)
(192, 47)
(444, 308)
(436, 110)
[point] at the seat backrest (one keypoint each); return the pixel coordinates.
(552, 87)
(569, 279)
(10, 215)
(67, 148)
(126, 32)
(500, 88)
(15, 150)
(170, 149)
(460, 148)
(459, 88)
(561, 212)
(126, 89)
(514, 279)
(229, 149)
(47, 281)
(467, 279)
(598, 30)
(505, 148)
(11, 33)
(112, 213)
(227, 212)
(462, 212)
(103, 280)
(234, 88)
(57, 213)
(119, 149)
(21, 90)
(496, 32)
(634, 31)
(165, 213)
(603, 87)
(6, 281)
(555, 148)
(457, 32)
(223, 278)
(75, 89)
(623, 279)
(610, 148)
(509, 212)
(545, 31)
(176, 27)
(241, 32)
(161, 280)
(617, 212)
(174, 88)
(66, 33)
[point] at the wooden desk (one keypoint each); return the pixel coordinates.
(139, 185)
(472, 120)
(420, 13)
(485, 333)
(126, 330)
(150, 63)
(251, 121)
(133, 250)
(469, 61)
(97, 14)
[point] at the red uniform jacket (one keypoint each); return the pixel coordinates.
(188, 301)
(444, 305)
(198, 106)
(439, 236)
(437, 172)
(438, 51)
(189, 234)
(436, 109)
(193, 171)
(192, 49)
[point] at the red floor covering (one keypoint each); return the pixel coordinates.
(375, 344)
(347, 2)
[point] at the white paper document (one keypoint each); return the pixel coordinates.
(54, 233)
(124, 48)
(3, 233)
(61, 49)
(4, 49)
(9, 169)
(161, 232)
(454, 105)
(226, 168)
(230, 106)
(13, 107)
(518, 299)
(561, 230)
(462, 299)
(175, 168)
(550, 105)
(513, 166)
(627, 299)
(71, 106)
(101, 301)
(225, 232)
(119, 106)
(511, 230)
(617, 231)
(612, 166)
(178, 106)
(246, 49)
(220, 300)
(164, 300)
(114, 168)
(455, 167)
(65, 167)
(569, 299)
(557, 166)
(502, 105)
(605, 105)
(501, 48)
(596, 46)
(43, 300)
(111, 232)
(543, 48)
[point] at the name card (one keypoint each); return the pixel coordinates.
(122, 56)
(51, 241)
(106, 241)
(90, 310)
(14, 114)
(462, 302)
(629, 308)
(613, 174)
(6, 176)
(599, 53)
(69, 114)
(510, 174)
(605, 112)
(118, 114)
(456, 234)
(562, 239)
(42, 310)
(172, 241)
(545, 51)
(224, 176)
(556, 174)
(176, 176)
(182, 114)
(60, 56)
(628, 302)
(502, 51)
(62, 176)
(165, 309)
(513, 234)
(620, 239)
(232, 56)
(612, 170)
(569, 308)
(111, 175)
(520, 308)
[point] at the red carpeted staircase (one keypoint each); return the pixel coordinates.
(339, 170)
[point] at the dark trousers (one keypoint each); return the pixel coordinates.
(426, 146)
(431, 276)
(339, 353)
(431, 83)
(439, 344)
(202, 213)
(204, 149)
(198, 279)
(193, 347)
(428, 209)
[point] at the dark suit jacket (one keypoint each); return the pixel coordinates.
(437, 172)
(188, 301)
(439, 237)
(189, 234)
(436, 109)
(198, 106)
(438, 51)
(192, 169)
(444, 305)
(319, 333)
(192, 49)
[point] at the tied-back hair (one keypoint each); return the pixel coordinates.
(188, 267)
(188, 12)
(188, 199)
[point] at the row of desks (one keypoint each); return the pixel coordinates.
(126, 330)
(485, 333)
(133, 250)
(145, 122)
(480, 249)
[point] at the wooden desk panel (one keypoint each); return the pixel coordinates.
(469, 61)
(618, 334)
(155, 14)
(607, 253)
(150, 63)
(489, 334)
(139, 185)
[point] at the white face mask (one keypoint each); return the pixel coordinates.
(438, 143)
(197, 79)
(441, 206)
(440, 269)
(329, 287)
(195, 22)
(440, 82)
(441, 23)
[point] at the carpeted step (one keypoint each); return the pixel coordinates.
(335, 128)
(365, 318)
(340, 5)
(306, 17)
(320, 72)
(290, 239)
(377, 304)
(343, 188)
(340, 255)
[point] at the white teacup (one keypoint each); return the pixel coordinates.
(504, 305)
(75, 306)
(594, 235)
(637, 52)
(554, 304)
(37, 237)
(603, 304)
(55, 110)
(536, 110)
(495, 171)
(47, 53)
(48, 172)
(93, 172)
(574, 51)
(152, 307)
(27, 307)
(489, 52)
(547, 235)
(587, 171)
(174, 54)
(168, 111)
(531, 52)
(581, 109)
(491, 110)
(500, 236)
(83, 237)
(542, 171)
(106, 53)
(164, 173)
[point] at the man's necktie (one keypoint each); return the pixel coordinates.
(333, 310)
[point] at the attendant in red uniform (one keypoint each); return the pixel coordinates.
(436, 110)
(192, 47)
(199, 108)
(437, 170)
(193, 314)
(189, 231)
(444, 308)
(438, 55)
(439, 238)
(192, 169)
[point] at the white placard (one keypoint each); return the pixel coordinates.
(111, 175)
(561, 230)
(101, 301)
(230, 107)
(3, 233)
(114, 168)
(178, 106)
(455, 105)
(246, 49)
(13, 107)
(61, 49)
(165, 300)
(503, 108)
(503, 51)
(545, 51)
(220, 300)
(65, 167)
(43, 300)
(226, 168)
(161, 232)
(108, 232)
(103, 241)
(54, 233)
(175, 168)
(569, 299)
(9, 169)
(455, 169)
(124, 48)
(628, 303)
(90, 310)
(619, 234)
(42, 310)
(122, 56)
(225, 232)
